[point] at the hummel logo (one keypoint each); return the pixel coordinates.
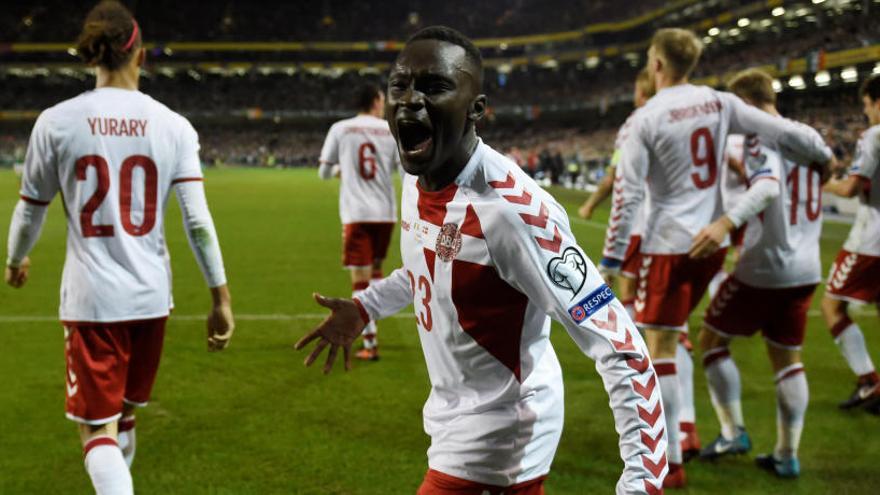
(72, 386)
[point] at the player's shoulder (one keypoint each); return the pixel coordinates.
(498, 187)
(67, 108)
(871, 136)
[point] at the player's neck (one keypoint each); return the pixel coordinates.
(447, 172)
(663, 81)
(771, 109)
(122, 79)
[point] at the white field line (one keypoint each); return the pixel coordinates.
(813, 313)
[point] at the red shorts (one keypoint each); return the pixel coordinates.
(633, 258)
(740, 310)
(108, 364)
(364, 243)
(854, 277)
(437, 483)
(671, 287)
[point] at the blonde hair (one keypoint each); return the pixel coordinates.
(679, 49)
(754, 86)
(645, 83)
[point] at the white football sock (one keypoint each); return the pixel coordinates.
(370, 331)
(792, 396)
(684, 365)
(107, 468)
(671, 392)
(722, 377)
(127, 438)
(852, 346)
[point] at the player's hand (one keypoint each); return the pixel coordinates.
(221, 324)
(835, 166)
(16, 276)
(710, 238)
(339, 329)
(586, 212)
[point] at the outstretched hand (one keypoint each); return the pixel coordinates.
(339, 329)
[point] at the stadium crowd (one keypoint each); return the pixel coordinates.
(51, 20)
(562, 153)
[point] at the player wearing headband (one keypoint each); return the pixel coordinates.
(115, 154)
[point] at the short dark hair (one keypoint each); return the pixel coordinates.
(871, 88)
(365, 96)
(449, 35)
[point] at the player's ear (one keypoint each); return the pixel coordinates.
(658, 66)
(141, 56)
(477, 109)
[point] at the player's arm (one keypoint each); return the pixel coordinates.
(329, 161)
(349, 316)
(39, 185)
(328, 171)
(603, 190)
(199, 227)
(864, 166)
(763, 174)
(627, 198)
(548, 266)
(202, 235)
(799, 142)
(848, 187)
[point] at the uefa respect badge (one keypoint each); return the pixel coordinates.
(593, 302)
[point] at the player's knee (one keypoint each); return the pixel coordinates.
(711, 340)
(782, 358)
(361, 275)
(661, 343)
(88, 432)
(833, 310)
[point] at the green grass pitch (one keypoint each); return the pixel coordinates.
(253, 420)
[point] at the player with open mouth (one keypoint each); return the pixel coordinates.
(488, 259)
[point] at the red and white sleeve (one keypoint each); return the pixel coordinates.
(628, 193)
(533, 249)
(796, 141)
(763, 170)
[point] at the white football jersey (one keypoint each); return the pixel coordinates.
(781, 247)
(674, 150)
(485, 261)
(367, 156)
(864, 238)
(732, 186)
(638, 225)
(113, 154)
